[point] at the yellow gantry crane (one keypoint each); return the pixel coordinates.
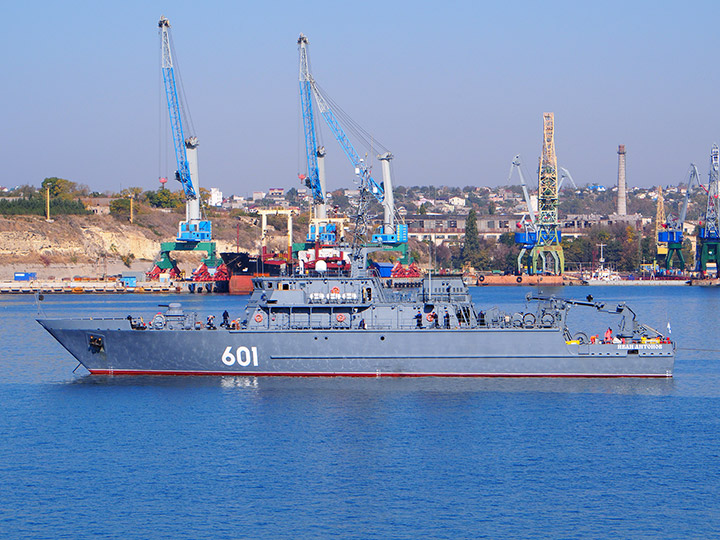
(662, 248)
(548, 227)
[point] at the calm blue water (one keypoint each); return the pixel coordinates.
(126, 457)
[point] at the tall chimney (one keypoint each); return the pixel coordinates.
(621, 207)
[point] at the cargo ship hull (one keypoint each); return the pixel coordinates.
(243, 268)
(111, 346)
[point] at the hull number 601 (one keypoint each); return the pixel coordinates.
(243, 356)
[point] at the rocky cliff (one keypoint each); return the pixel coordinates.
(74, 239)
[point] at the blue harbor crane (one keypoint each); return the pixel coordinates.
(391, 234)
(672, 233)
(527, 237)
(708, 246)
(195, 233)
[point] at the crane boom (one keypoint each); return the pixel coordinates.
(712, 216)
(312, 179)
(564, 173)
(517, 164)
(694, 174)
(548, 185)
(361, 169)
(179, 142)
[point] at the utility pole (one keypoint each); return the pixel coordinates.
(47, 204)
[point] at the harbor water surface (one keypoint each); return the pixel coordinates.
(233, 457)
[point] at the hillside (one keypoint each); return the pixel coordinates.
(30, 241)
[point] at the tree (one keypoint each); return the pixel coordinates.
(163, 198)
(471, 243)
(340, 200)
(648, 250)
(688, 253)
(133, 192)
(26, 192)
(443, 255)
(291, 195)
(59, 187)
(120, 207)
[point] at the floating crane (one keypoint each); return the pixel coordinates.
(392, 234)
(195, 233)
(708, 248)
(671, 237)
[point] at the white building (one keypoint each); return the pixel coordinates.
(216, 197)
(457, 201)
(258, 196)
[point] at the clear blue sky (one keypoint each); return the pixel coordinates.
(454, 89)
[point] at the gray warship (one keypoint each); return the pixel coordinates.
(362, 325)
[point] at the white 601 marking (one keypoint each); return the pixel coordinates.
(242, 356)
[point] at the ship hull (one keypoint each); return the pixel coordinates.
(110, 346)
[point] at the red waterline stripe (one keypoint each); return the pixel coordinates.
(381, 374)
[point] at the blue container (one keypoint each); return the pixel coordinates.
(25, 276)
(383, 269)
(129, 281)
